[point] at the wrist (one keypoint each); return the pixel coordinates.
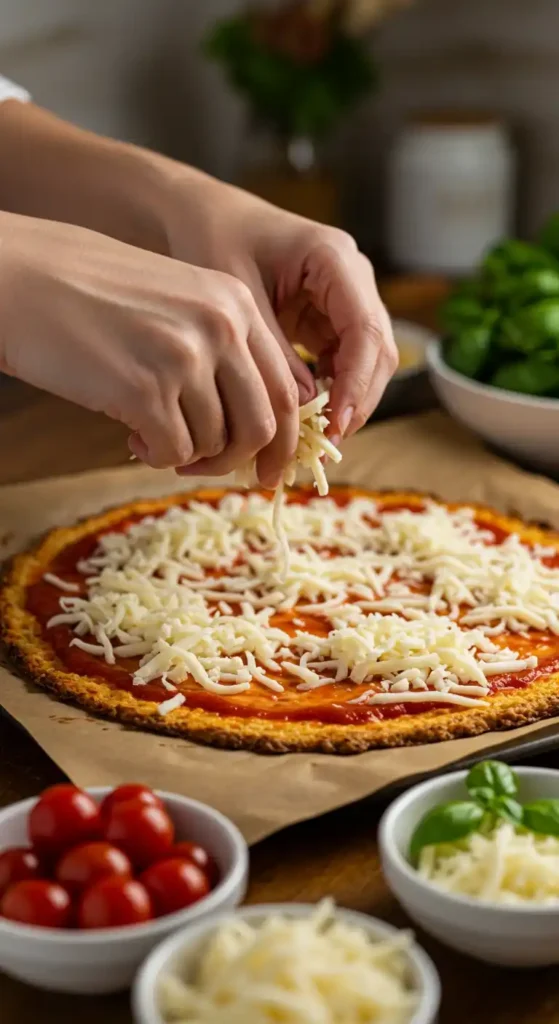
(201, 217)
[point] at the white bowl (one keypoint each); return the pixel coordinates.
(525, 936)
(106, 960)
(180, 953)
(523, 426)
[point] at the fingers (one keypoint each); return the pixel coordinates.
(302, 375)
(162, 439)
(342, 284)
(382, 372)
(260, 397)
(202, 408)
(284, 398)
(248, 415)
(223, 392)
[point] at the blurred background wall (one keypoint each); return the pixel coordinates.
(133, 68)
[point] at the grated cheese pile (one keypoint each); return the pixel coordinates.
(504, 866)
(413, 603)
(295, 971)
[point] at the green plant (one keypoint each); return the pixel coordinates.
(502, 326)
(299, 68)
(493, 790)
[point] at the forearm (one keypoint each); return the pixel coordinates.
(54, 170)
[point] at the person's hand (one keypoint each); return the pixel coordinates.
(310, 282)
(179, 354)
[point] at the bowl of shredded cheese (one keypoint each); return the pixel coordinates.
(292, 963)
(473, 857)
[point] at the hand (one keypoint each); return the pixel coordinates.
(179, 354)
(310, 283)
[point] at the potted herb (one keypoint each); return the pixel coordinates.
(301, 67)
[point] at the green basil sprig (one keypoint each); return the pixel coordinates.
(446, 824)
(493, 790)
(542, 816)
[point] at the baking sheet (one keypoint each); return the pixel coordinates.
(263, 794)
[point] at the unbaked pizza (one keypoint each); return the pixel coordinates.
(397, 620)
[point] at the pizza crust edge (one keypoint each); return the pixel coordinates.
(35, 660)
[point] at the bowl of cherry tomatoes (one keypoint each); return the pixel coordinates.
(91, 880)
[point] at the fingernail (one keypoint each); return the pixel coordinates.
(305, 392)
(269, 483)
(346, 418)
(336, 440)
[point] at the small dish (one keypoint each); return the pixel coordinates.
(106, 960)
(181, 951)
(511, 936)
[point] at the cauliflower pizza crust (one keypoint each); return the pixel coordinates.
(344, 715)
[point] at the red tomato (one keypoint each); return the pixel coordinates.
(16, 865)
(113, 902)
(37, 902)
(200, 857)
(174, 884)
(85, 865)
(62, 817)
(145, 833)
(130, 791)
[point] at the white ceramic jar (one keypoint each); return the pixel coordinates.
(451, 193)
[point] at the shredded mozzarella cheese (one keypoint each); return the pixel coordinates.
(504, 866)
(294, 970)
(312, 447)
(414, 603)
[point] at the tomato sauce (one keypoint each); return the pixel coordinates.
(291, 705)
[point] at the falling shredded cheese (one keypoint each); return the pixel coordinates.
(505, 866)
(312, 447)
(415, 603)
(294, 970)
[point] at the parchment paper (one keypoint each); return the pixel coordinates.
(261, 793)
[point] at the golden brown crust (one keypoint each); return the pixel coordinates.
(34, 657)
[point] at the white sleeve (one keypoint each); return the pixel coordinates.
(10, 91)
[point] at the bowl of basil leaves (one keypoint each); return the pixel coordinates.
(497, 368)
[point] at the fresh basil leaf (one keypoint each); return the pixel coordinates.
(542, 817)
(445, 824)
(494, 775)
(484, 795)
(509, 809)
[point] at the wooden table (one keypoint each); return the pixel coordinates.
(336, 855)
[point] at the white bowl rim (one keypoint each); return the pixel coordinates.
(438, 367)
(143, 987)
(159, 925)
(387, 844)
(419, 335)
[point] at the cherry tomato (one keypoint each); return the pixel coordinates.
(62, 817)
(83, 866)
(130, 791)
(113, 902)
(17, 865)
(174, 884)
(37, 902)
(144, 832)
(199, 856)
